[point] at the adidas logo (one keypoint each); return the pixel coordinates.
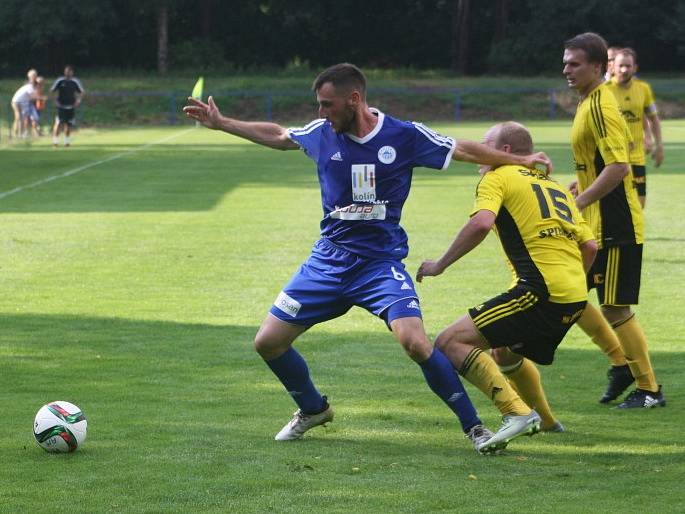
(454, 397)
(650, 401)
(405, 286)
(336, 157)
(413, 304)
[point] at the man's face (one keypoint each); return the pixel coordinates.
(580, 74)
(611, 55)
(338, 108)
(68, 72)
(625, 68)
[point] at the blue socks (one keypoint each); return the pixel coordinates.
(291, 369)
(443, 380)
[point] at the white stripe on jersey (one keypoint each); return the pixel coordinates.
(434, 136)
(307, 128)
(79, 83)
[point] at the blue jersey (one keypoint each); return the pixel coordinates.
(365, 181)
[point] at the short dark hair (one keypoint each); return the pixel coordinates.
(628, 51)
(594, 46)
(342, 76)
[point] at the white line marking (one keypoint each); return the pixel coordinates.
(74, 171)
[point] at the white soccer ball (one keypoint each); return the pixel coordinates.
(60, 427)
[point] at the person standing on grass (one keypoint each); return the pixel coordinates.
(37, 105)
(68, 95)
(608, 200)
(21, 104)
(638, 107)
(365, 161)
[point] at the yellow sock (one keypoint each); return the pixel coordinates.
(483, 372)
(634, 345)
(526, 381)
(595, 325)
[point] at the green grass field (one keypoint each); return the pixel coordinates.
(137, 266)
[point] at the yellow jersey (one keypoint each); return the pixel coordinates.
(540, 229)
(599, 137)
(634, 101)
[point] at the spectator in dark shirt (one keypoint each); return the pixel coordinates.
(68, 94)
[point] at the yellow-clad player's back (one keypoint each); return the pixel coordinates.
(540, 229)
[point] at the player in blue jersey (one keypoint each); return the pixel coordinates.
(365, 161)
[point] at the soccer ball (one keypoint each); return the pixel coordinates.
(60, 427)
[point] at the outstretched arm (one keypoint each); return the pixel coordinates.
(478, 153)
(470, 236)
(262, 133)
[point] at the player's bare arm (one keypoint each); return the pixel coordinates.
(470, 151)
(649, 140)
(470, 236)
(655, 129)
(588, 252)
(610, 177)
(260, 132)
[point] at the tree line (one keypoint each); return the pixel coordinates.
(522, 37)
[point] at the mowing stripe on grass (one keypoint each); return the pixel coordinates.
(79, 169)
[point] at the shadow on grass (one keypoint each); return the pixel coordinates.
(183, 372)
(163, 178)
(180, 414)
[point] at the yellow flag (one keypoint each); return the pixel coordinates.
(197, 90)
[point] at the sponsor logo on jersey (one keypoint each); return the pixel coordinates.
(336, 157)
(287, 304)
(405, 286)
(364, 182)
(630, 116)
(556, 232)
(387, 154)
(359, 212)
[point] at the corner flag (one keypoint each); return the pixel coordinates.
(197, 90)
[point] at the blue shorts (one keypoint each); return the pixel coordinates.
(333, 280)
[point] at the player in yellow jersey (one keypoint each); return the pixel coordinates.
(608, 200)
(549, 247)
(636, 102)
(611, 55)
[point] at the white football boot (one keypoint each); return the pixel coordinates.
(479, 435)
(302, 422)
(511, 428)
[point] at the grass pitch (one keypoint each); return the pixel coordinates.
(137, 266)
